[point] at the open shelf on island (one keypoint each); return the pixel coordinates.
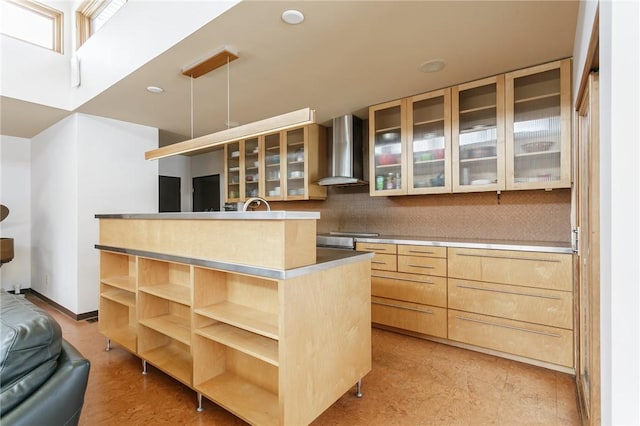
(231, 391)
(260, 322)
(123, 297)
(171, 359)
(257, 346)
(176, 327)
(124, 282)
(174, 292)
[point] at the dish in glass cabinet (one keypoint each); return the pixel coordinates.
(537, 146)
(235, 154)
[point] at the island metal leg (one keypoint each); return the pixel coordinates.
(144, 367)
(199, 409)
(359, 389)
(108, 348)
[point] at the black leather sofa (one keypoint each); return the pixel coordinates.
(43, 378)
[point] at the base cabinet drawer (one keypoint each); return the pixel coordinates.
(422, 265)
(410, 288)
(549, 344)
(539, 306)
(423, 319)
(532, 269)
(384, 262)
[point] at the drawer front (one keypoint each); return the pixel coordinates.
(377, 247)
(540, 306)
(532, 269)
(409, 250)
(410, 288)
(554, 345)
(422, 265)
(409, 316)
(384, 262)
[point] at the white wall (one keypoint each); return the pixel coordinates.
(54, 200)
(114, 177)
(211, 163)
(179, 166)
(620, 211)
(38, 75)
(15, 186)
(82, 166)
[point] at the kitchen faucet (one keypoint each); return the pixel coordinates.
(257, 201)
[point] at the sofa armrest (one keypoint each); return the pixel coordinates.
(59, 400)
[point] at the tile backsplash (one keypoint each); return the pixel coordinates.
(514, 215)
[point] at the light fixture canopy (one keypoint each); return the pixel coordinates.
(206, 143)
(209, 62)
(292, 16)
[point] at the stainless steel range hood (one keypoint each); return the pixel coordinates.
(346, 152)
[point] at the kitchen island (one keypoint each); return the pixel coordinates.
(239, 306)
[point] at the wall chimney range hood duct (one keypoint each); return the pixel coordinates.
(346, 153)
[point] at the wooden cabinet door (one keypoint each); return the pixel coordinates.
(478, 135)
(538, 127)
(387, 149)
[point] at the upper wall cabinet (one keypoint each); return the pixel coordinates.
(280, 166)
(538, 126)
(511, 131)
(478, 135)
(387, 148)
(429, 147)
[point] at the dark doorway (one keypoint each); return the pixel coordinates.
(169, 194)
(206, 193)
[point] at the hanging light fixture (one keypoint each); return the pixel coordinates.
(208, 63)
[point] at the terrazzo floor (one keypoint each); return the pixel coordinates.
(412, 382)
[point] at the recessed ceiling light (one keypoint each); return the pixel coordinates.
(434, 65)
(155, 89)
(292, 16)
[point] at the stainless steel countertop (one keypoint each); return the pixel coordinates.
(257, 215)
(325, 258)
(539, 246)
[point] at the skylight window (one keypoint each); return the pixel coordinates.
(93, 14)
(32, 22)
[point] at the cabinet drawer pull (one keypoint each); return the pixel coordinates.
(406, 308)
(517, 293)
(510, 327)
(374, 249)
(404, 279)
(421, 266)
(507, 257)
(378, 262)
(421, 252)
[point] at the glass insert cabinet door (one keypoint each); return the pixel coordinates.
(387, 132)
(538, 127)
(478, 135)
(252, 178)
(429, 126)
(273, 167)
(296, 161)
(232, 171)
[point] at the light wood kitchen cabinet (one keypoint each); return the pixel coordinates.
(118, 289)
(280, 166)
(516, 302)
(410, 145)
(409, 287)
(164, 317)
(387, 148)
(478, 146)
(273, 339)
(429, 142)
(538, 127)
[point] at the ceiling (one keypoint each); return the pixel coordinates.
(345, 56)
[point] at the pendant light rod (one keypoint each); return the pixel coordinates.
(191, 81)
